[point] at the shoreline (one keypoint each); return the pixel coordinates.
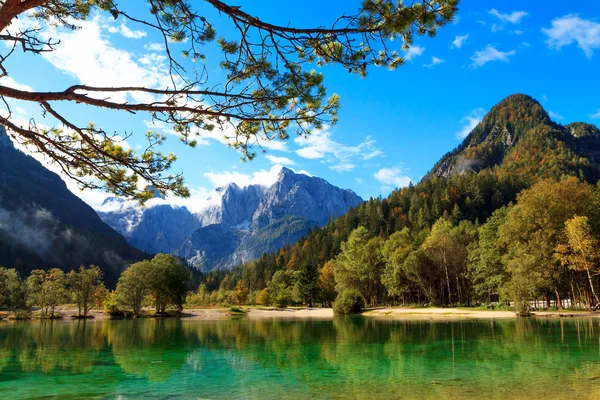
(400, 313)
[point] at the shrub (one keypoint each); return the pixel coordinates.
(111, 305)
(349, 301)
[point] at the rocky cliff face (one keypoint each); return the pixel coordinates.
(240, 225)
(43, 225)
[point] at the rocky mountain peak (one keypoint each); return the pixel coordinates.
(516, 118)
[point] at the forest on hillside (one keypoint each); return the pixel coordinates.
(520, 224)
(511, 214)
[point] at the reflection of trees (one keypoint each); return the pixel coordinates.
(349, 357)
(44, 345)
(417, 358)
(151, 348)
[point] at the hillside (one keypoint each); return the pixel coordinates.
(515, 146)
(44, 225)
(517, 136)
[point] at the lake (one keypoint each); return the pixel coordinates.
(352, 357)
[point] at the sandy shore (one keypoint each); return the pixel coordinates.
(460, 313)
(327, 313)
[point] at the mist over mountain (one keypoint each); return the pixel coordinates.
(239, 223)
(44, 225)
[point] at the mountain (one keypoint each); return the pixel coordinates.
(44, 225)
(515, 145)
(518, 136)
(238, 225)
(160, 228)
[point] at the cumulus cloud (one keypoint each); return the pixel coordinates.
(470, 122)
(124, 30)
(434, 61)
(154, 47)
(89, 57)
(280, 160)
(320, 145)
(413, 52)
(11, 83)
(514, 17)
(573, 29)
(480, 58)
(261, 177)
(392, 177)
(459, 41)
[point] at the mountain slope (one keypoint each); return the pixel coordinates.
(517, 136)
(515, 145)
(240, 224)
(44, 225)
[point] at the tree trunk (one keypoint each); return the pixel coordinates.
(448, 285)
(592, 288)
(558, 301)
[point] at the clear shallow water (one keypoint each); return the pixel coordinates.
(270, 359)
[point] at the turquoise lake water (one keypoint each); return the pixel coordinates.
(361, 358)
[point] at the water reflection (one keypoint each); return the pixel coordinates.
(346, 357)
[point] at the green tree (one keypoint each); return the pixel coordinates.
(446, 247)
(349, 301)
(168, 282)
(486, 269)
(535, 226)
(83, 285)
(360, 265)
(280, 288)
(308, 282)
(270, 91)
(133, 286)
(395, 251)
(47, 289)
(13, 291)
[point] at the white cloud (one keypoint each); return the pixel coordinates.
(125, 31)
(514, 17)
(394, 177)
(320, 145)
(11, 83)
(154, 47)
(470, 122)
(89, 57)
(459, 41)
(343, 167)
(262, 177)
(280, 160)
(570, 29)
(596, 115)
(555, 115)
(434, 61)
(360, 181)
(413, 52)
(480, 58)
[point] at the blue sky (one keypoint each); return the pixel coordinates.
(393, 126)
